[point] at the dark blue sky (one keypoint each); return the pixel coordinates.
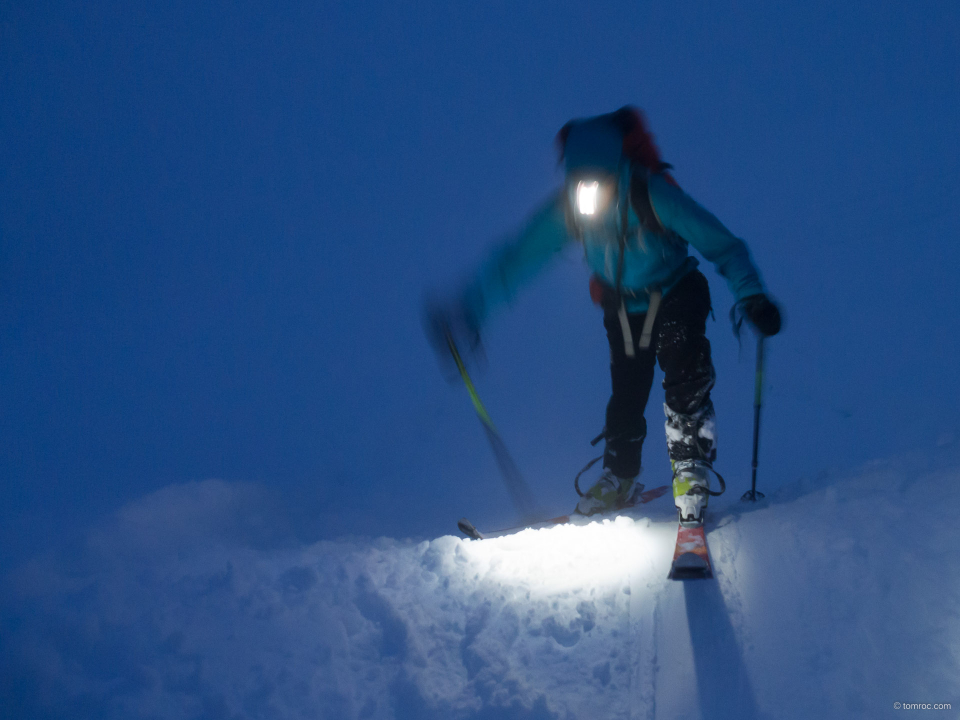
(217, 222)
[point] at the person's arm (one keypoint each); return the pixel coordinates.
(514, 262)
(680, 213)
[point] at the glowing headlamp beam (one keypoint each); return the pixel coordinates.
(587, 196)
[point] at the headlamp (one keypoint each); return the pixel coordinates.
(592, 196)
(587, 193)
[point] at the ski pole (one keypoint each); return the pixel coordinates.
(519, 492)
(752, 495)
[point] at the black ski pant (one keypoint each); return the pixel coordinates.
(680, 345)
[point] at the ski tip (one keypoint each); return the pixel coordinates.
(690, 566)
(468, 529)
(689, 574)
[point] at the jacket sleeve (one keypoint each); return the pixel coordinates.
(516, 261)
(680, 213)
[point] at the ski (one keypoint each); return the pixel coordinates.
(691, 559)
(470, 530)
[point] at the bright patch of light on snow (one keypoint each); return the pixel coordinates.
(587, 194)
(561, 558)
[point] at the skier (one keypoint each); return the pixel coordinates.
(634, 223)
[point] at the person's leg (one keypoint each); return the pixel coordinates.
(683, 352)
(630, 380)
(684, 355)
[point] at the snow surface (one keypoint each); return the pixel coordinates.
(834, 599)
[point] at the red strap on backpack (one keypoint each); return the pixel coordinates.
(597, 290)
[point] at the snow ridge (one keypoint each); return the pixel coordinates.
(834, 600)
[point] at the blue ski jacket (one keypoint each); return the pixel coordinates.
(652, 259)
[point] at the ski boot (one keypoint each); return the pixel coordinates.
(691, 486)
(609, 493)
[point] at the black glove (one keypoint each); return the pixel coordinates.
(448, 322)
(762, 313)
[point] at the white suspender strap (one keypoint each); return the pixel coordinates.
(647, 333)
(625, 327)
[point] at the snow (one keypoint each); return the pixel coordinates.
(833, 599)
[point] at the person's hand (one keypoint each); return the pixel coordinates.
(446, 324)
(762, 313)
